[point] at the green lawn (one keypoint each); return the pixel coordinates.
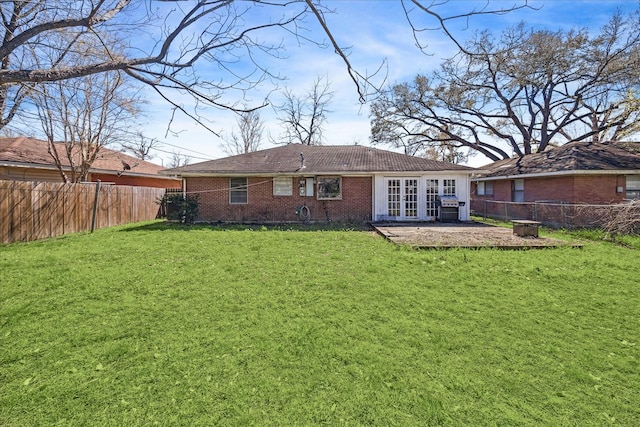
(158, 325)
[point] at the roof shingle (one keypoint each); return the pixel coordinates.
(323, 159)
(574, 156)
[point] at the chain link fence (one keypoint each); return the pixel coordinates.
(565, 215)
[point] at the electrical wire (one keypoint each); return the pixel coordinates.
(227, 188)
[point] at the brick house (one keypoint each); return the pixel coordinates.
(293, 183)
(574, 173)
(28, 159)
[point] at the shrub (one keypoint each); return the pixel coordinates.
(183, 209)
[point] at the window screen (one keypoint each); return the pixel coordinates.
(238, 190)
(633, 187)
(283, 186)
(517, 193)
(485, 188)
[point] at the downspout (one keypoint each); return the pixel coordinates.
(373, 198)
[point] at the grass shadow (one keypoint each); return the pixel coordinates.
(173, 226)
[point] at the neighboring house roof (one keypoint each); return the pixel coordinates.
(322, 159)
(572, 158)
(34, 153)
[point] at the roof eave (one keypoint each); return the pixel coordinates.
(303, 172)
(129, 173)
(558, 173)
(42, 166)
(26, 165)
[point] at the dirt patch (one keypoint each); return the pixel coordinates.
(466, 235)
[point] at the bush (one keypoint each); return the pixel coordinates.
(181, 209)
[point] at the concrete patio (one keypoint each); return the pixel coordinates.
(474, 235)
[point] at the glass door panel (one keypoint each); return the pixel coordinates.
(432, 193)
(393, 197)
(410, 198)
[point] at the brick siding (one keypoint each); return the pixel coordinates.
(573, 189)
(264, 207)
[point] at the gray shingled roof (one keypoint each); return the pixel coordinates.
(324, 159)
(575, 156)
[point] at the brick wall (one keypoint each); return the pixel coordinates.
(598, 189)
(264, 207)
(593, 189)
(555, 191)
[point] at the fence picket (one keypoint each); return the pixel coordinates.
(39, 210)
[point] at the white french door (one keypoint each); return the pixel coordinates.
(431, 198)
(402, 198)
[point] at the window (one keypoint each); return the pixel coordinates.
(448, 187)
(283, 186)
(633, 187)
(238, 190)
(517, 190)
(329, 188)
(306, 187)
(485, 188)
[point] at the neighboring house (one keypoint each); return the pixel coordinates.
(574, 173)
(28, 159)
(324, 183)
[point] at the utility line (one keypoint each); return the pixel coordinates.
(243, 187)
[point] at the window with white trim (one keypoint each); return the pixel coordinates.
(238, 191)
(448, 187)
(283, 186)
(633, 187)
(484, 188)
(329, 188)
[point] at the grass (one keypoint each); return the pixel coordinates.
(160, 325)
(594, 234)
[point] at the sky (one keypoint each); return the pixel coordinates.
(376, 35)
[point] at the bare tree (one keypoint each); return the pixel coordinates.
(520, 92)
(445, 152)
(303, 117)
(165, 43)
(622, 219)
(141, 146)
(81, 116)
(251, 129)
(178, 160)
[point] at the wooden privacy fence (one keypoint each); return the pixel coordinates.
(38, 210)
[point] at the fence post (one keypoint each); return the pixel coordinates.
(95, 206)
